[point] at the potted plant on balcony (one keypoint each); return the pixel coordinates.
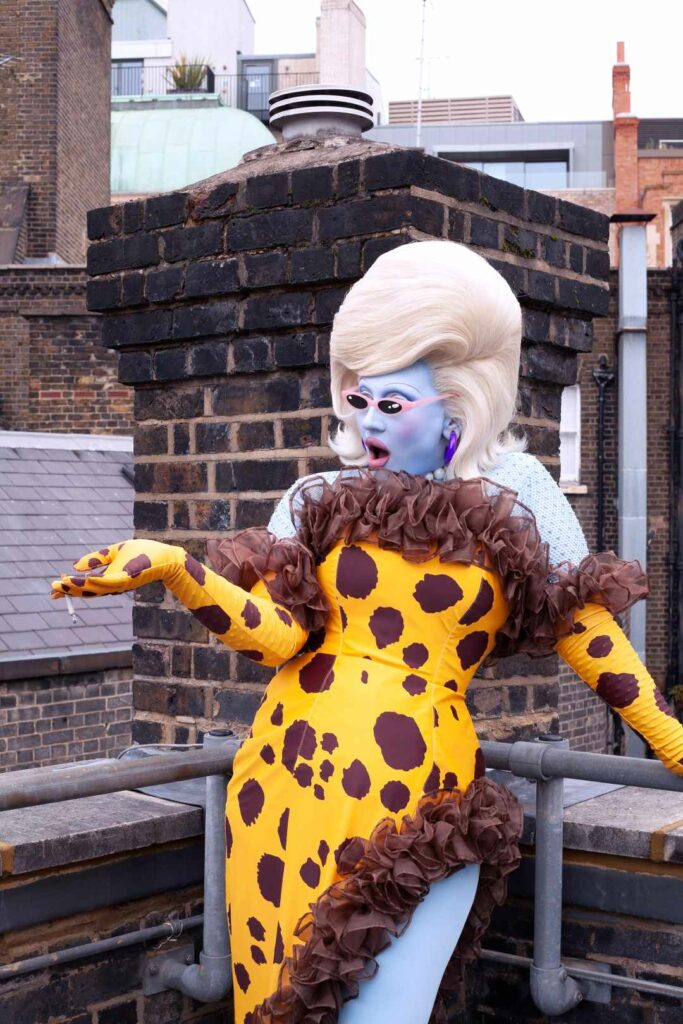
(190, 75)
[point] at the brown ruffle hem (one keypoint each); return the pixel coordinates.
(383, 878)
(456, 521)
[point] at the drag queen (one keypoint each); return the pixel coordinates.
(365, 843)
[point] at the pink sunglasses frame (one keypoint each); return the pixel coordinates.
(405, 403)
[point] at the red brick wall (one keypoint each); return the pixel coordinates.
(660, 178)
(54, 116)
(56, 375)
(582, 716)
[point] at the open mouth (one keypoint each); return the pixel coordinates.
(378, 453)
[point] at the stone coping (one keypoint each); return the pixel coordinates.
(626, 822)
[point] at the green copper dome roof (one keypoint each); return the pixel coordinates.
(158, 150)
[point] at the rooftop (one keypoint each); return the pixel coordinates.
(61, 496)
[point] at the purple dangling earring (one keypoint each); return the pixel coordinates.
(451, 448)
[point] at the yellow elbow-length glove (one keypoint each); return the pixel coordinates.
(599, 652)
(250, 623)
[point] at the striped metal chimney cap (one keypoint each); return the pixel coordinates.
(309, 109)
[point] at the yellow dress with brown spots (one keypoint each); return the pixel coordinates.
(360, 729)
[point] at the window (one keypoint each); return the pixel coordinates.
(126, 77)
(570, 435)
(537, 174)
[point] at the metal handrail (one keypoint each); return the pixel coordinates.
(556, 985)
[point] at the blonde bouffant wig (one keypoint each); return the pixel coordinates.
(439, 302)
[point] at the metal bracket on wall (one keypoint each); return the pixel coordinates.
(152, 979)
(593, 991)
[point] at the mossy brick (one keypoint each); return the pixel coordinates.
(192, 243)
(211, 663)
(267, 190)
(312, 265)
(164, 285)
(137, 328)
(496, 194)
(150, 515)
(244, 396)
(347, 179)
(103, 293)
(212, 437)
(104, 222)
(484, 232)
(181, 439)
(133, 216)
(363, 217)
(541, 287)
(217, 203)
(170, 477)
(168, 404)
(252, 474)
(597, 263)
(253, 512)
(284, 309)
(265, 270)
(576, 253)
(302, 433)
(163, 211)
(312, 183)
(327, 302)
(265, 230)
(252, 355)
(255, 435)
(202, 319)
(541, 209)
(589, 298)
(209, 358)
(579, 220)
(135, 367)
(211, 277)
(133, 289)
(348, 259)
(552, 250)
(295, 349)
(520, 242)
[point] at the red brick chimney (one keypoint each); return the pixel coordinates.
(625, 136)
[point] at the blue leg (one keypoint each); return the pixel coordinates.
(406, 984)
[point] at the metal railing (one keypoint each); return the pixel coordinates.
(557, 985)
(246, 91)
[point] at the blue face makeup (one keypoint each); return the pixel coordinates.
(412, 440)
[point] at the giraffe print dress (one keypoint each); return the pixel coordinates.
(362, 780)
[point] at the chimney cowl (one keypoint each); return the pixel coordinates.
(309, 110)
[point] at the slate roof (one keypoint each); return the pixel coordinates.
(61, 495)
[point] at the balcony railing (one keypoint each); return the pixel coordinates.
(247, 92)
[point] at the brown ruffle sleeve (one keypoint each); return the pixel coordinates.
(456, 521)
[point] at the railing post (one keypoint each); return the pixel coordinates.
(210, 979)
(552, 990)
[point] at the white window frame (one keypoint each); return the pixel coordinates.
(570, 436)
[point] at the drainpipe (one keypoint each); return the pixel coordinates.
(632, 458)
(210, 979)
(675, 575)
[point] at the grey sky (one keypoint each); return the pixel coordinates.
(554, 58)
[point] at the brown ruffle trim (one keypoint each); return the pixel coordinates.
(456, 521)
(383, 879)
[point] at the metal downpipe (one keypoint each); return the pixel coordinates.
(211, 979)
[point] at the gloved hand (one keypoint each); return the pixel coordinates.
(123, 566)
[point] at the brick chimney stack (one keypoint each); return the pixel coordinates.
(625, 136)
